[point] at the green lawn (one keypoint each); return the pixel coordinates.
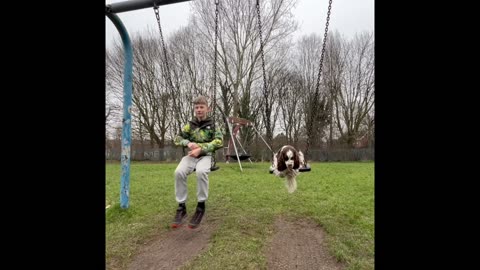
(338, 196)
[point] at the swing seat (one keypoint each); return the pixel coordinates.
(213, 167)
(301, 169)
(241, 157)
(305, 169)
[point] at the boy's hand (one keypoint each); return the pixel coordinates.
(192, 145)
(195, 152)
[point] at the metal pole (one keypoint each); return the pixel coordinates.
(127, 108)
(137, 4)
(110, 11)
(234, 146)
(263, 140)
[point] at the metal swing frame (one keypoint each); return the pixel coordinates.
(238, 122)
(111, 11)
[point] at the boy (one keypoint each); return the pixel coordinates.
(200, 136)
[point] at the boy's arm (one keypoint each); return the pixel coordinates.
(182, 139)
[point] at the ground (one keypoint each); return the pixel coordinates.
(299, 244)
(296, 244)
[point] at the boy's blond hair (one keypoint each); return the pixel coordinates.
(200, 100)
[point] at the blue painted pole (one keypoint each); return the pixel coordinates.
(127, 107)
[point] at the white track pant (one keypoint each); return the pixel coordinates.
(184, 168)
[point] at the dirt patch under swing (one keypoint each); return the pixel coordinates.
(173, 249)
(299, 245)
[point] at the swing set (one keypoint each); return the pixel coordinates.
(110, 11)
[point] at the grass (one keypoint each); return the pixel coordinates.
(338, 196)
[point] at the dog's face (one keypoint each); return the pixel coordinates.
(287, 157)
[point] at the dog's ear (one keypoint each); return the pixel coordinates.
(296, 160)
(301, 158)
(281, 166)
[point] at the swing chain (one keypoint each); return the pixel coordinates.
(315, 98)
(155, 8)
(214, 89)
(323, 46)
(168, 77)
(261, 50)
(215, 62)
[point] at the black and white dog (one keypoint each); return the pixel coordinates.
(286, 163)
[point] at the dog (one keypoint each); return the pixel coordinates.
(286, 163)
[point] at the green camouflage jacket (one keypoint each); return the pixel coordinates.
(202, 133)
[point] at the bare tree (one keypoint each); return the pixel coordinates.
(290, 103)
(334, 67)
(151, 111)
(152, 96)
(190, 62)
(113, 90)
(315, 101)
(367, 129)
(356, 98)
(113, 109)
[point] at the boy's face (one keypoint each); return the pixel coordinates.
(201, 111)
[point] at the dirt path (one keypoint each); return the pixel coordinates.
(299, 245)
(173, 249)
(295, 245)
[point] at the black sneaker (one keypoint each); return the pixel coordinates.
(179, 217)
(197, 218)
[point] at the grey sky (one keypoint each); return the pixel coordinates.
(347, 16)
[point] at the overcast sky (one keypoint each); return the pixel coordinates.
(347, 16)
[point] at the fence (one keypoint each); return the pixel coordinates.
(174, 154)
